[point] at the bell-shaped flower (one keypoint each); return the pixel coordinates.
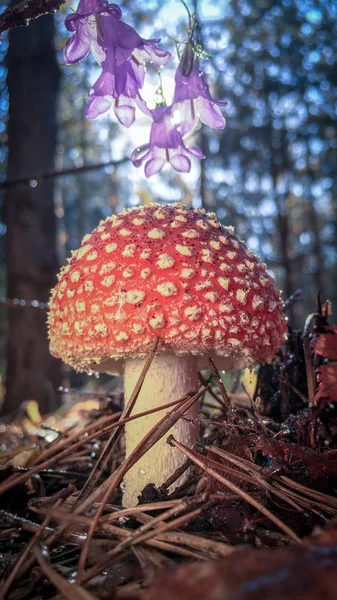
(192, 98)
(118, 87)
(166, 146)
(96, 25)
(84, 25)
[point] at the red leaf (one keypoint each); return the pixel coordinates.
(326, 345)
(327, 376)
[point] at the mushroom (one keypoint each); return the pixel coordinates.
(172, 274)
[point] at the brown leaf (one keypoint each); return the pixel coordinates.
(304, 572)
(325, 345)
(327, 376)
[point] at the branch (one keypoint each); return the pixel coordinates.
(22, 13)
(40, 177)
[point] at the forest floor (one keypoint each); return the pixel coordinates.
(256, 518)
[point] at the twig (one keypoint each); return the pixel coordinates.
(22, 560)
(69, 591)
(142, 534)
(157, 432)
(226, 403)
(12, 482)
(198, 459)
(46, 175)
(311, 379)
(22, 13)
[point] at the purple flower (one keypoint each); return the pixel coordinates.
(192, 98)
(118, 86)
(166, 146)
(86, 31)
(97, 26)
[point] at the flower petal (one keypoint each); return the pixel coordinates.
(153, 166)
(98, 105)
(149, 52)
(195, 151)
(140, 154)
(210, 114)
(76, 49)
(125, 115)
(180, 163)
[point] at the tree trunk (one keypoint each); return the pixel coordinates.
(33, 81)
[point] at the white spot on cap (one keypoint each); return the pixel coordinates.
(165, 261)
(225, 267)
(257, 302)
(102, 329)
(138, 221)
(79, 327)
(159, 214)
(191, 334)
(113, 221)
(122, 336)
(82, 251)
(212, 296)
(91, 256)
(125, 232)
(89, 285)
(193, 312)
(207, 255)
(145, 273)
(187, 273)
(80, 306)
(242, 268)
(108, 280)
(128, 273)
(107, 268)
(86, 238)
(224, 282)
(146, 253)
(241, 296)
(233, 342)
(201, 223)
(167, 289)
(201, 285)
(181, 217)
(135, 296)
(231, 255)
(110, 247)
(112, 301)
(105, 236)
(250, 264)
(138, 328)
(74, 277)
(94, 309)
(157, 321)
(226, 308)
(129, 250)
(156, 234)
(215, 244)
(223, 239)
(191, 233)
(184, 250)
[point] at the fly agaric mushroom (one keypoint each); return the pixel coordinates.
(177, 275)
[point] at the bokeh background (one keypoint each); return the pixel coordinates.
(272, 173)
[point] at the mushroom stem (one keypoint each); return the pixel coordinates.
(169, 378)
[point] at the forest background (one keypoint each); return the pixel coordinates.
(272, 173)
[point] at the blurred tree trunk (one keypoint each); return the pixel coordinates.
(33, 82)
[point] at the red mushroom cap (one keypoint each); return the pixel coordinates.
(166, 272)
